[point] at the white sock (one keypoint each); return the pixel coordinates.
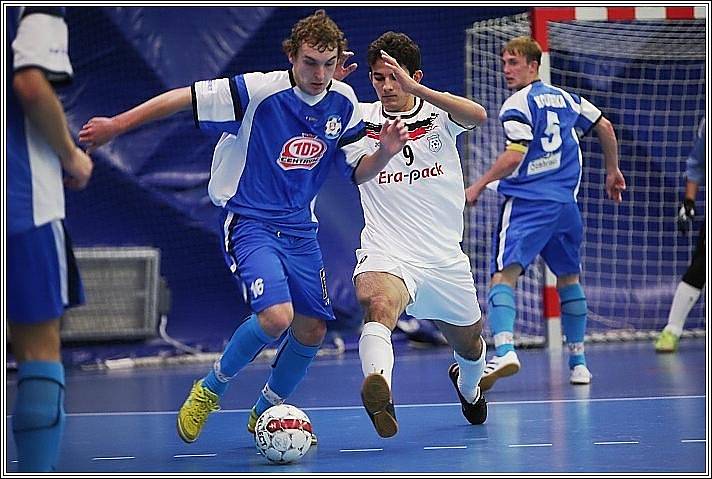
(375, 350)
(685, 298)
(470, 373)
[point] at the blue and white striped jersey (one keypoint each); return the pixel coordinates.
(549, 121)
(36, 37)
(278, 145)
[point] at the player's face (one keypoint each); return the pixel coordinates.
(517, 72)
(312, 69)
(389, 91)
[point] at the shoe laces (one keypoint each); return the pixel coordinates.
(201, 405)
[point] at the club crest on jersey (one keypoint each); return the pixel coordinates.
(333, 127)
(301, 152)
(434, 142)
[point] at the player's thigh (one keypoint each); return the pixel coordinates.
(446, 294)
(563, 251)
(383, 286)
(259, 267)
(36, 341)
(524, 228)
(39, 285)
(306, 277)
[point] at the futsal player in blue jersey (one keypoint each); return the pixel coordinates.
(42, 277)
(282, 132)
(690, 287)
(539, 174)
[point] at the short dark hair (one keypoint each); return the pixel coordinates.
(525, 46)
(318, 31)
(399, 46)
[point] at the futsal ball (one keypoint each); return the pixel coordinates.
(283, 433)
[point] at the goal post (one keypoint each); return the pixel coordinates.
(645, 68)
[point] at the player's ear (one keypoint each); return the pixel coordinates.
(418, 75)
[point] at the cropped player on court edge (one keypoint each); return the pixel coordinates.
(410, 257)
(282, 132)
(690, 287)
(539, 174)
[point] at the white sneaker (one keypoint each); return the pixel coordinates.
(499, 367)
(580, 375)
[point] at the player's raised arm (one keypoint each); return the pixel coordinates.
(506, 163)
(615, 182)
(393, 137)
(463, 111)
(100, 130)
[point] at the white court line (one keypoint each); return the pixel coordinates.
(362, 450)
(116, 458)
(398, 406)
(606, 443)
(431, 448)
(196, 455)
(693, 440)
(531, 445)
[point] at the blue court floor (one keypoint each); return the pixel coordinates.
(643, 413)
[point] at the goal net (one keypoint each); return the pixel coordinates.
(648, 77)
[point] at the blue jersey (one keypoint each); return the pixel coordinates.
(278, 145)
(37, 37)
(549, 122)
(696, 160)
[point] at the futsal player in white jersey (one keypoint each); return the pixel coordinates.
(410, 256)
(282, 133)
(539, 175)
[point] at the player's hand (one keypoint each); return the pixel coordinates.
(407, 83)
(393, 137)
(97, 131)
(615, 185)
(78, 166)
(685, 215)
(342, 71)
(472, 193)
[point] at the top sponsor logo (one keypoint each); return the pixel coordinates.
(301, 152)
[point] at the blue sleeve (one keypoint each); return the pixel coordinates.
(696, 161)
(219, 105)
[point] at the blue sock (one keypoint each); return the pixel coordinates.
(501, 312)
(38, 419)
(573, 321)
(247, 341)
(288, 369)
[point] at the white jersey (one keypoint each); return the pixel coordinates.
(413, 209)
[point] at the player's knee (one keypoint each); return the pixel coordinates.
(39, 405)
(311, 334)
(382, 309)
(695, 275)
(573, 300)
(275, 321)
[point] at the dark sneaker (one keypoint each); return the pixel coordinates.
(376, 398)
(475, 412)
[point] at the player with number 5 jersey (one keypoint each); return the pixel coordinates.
(539, 174)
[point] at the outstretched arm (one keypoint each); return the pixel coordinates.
(506, 163)
(44, 110)
(615, 182)
(463, 111)
(100, 130)
(393, 137)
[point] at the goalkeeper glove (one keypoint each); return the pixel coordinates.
(685, 215)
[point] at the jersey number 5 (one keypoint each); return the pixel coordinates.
(553, 132)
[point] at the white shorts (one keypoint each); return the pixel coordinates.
(446, 293)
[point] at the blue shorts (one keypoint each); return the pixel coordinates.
(42, 274)
(274, 268)
(528, 228)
